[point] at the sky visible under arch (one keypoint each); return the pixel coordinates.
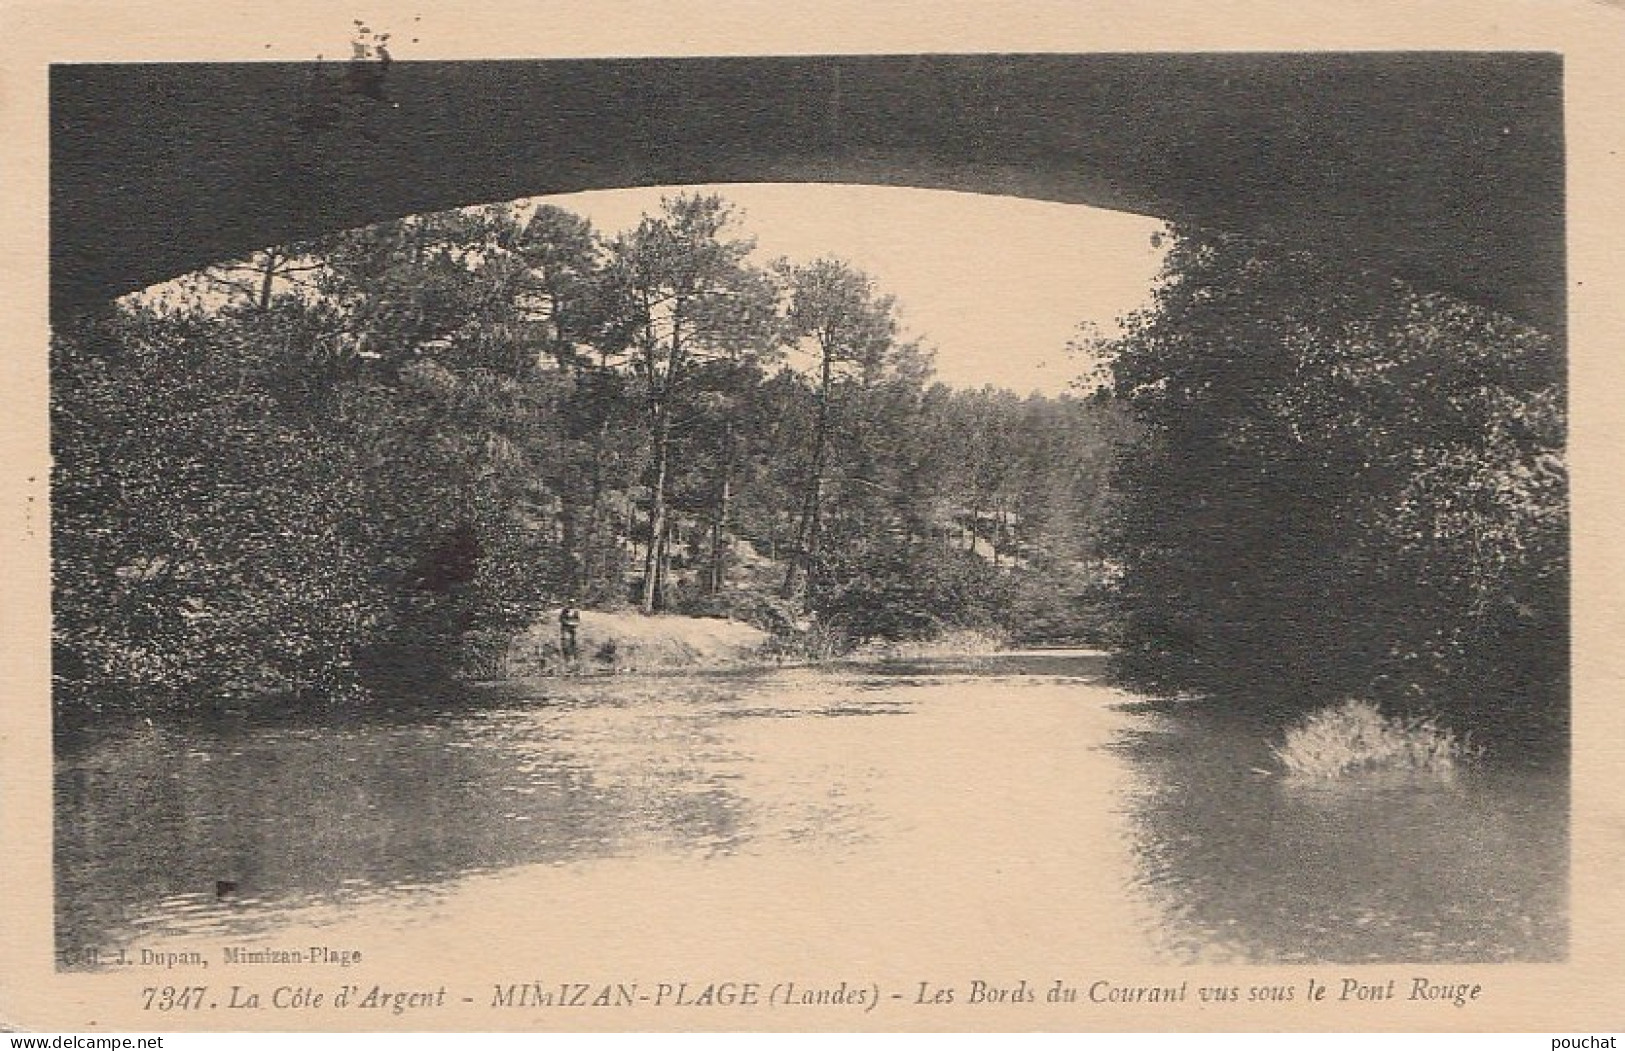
(998, 285)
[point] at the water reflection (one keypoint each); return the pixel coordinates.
(151, 818)
(1245, 866)
(1020, 787)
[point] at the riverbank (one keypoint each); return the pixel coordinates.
(609, 642)
(617, 642)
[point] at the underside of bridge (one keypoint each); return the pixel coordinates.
(1443, 168)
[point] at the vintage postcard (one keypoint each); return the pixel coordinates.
(908, 517)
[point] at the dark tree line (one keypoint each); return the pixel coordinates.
(380, 454)
(1339, 486)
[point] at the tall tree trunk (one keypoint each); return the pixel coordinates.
(570, 542)
(590, 570)
(807, 545)
(998, 531)
(815, 520)
(420, 241)
(719, 537)
(267, 276)
(719, 524)
(654, 558)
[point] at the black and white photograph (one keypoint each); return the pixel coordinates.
(947, 539)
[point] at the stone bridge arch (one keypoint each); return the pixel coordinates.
(1446, 168)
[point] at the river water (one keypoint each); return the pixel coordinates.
(1014, 805)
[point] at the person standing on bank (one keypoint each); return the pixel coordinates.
(569, 621)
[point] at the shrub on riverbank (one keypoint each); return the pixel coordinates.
(1339, 485)
(810, 643)
(957, 642)
(1356, 737)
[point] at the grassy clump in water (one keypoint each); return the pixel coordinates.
(1355, 737)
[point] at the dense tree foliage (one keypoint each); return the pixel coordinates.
(1339, 485)
(687, 301)
(381, 454)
